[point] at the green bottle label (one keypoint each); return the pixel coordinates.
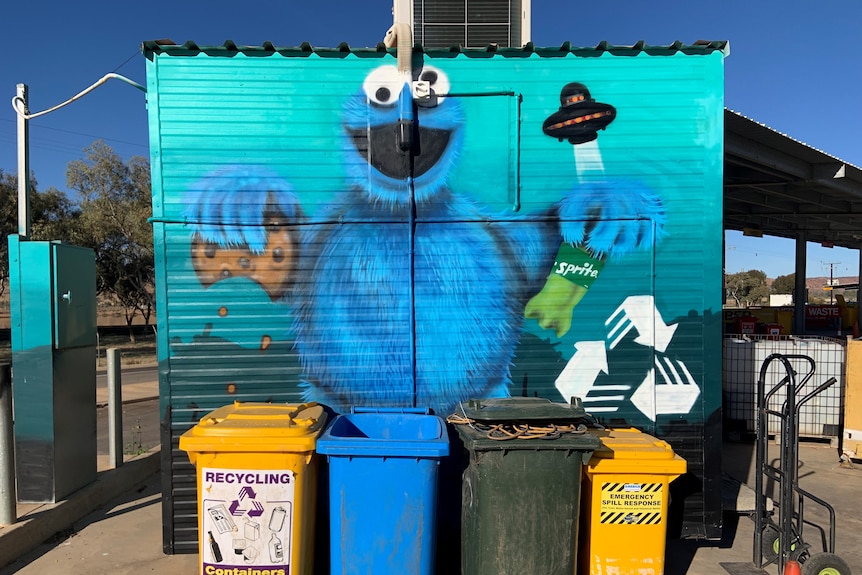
(577, 266)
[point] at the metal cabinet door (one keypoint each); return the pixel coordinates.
(74, 293)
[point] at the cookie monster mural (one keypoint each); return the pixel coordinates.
(405, 289)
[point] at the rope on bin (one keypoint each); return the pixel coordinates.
(508, 431)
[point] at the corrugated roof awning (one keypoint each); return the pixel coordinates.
(783, 187)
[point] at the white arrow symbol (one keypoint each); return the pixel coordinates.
(644, 396)
(676, 395)
(580, 373)
(639, 312)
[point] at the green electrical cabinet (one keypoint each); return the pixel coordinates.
(53, 314)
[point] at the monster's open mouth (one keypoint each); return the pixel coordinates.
(379, 146)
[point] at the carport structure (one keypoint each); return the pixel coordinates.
(778, 186)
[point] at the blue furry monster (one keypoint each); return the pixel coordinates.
(405, 291)
(410, 293)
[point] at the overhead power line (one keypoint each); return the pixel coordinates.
(73, 132)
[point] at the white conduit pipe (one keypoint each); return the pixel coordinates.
(18, 103)
(401, 35)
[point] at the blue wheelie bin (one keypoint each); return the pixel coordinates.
(383, 476)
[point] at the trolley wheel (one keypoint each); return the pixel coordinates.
(825, 564)
(770, 546)
(769, 543)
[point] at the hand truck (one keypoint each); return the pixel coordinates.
(782, 540)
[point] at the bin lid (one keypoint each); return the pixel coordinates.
(522, 409)
(386, 433)
(477, 437)
(251, 427)
(631, 450)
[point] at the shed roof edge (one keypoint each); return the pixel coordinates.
(190, 48)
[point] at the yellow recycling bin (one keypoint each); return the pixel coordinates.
(625, 504)
(257, 487)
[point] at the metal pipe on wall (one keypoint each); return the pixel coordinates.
(8, 498)
(23, 163)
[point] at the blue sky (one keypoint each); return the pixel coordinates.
(794, 66)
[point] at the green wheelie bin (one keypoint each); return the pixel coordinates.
(521, 490)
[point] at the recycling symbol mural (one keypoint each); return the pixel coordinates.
(668, 386)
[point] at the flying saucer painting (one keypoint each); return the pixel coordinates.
(579, 117)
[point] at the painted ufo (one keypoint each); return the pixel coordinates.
(579, 117)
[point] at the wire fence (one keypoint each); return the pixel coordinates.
(743, 356)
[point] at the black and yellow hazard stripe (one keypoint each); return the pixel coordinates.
(619, 487)
(629, 518)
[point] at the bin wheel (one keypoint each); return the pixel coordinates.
(825, 564)
(770, 543)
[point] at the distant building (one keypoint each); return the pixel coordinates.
(780, 299)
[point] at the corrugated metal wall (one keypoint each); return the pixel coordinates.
(293, 262)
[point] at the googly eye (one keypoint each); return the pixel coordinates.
(438, 83)
(383, 85)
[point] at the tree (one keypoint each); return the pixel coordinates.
(53, 216)
(115, 202)
(8, 222)
(784, 284)
(746, 288)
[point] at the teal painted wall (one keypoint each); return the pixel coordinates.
(290, 266)
(282, 117)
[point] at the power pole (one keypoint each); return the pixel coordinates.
(831, 281)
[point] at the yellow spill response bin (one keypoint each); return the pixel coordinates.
(852, 439)
(625, 504)
(257, 487)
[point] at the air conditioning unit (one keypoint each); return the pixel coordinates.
(471, 23)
